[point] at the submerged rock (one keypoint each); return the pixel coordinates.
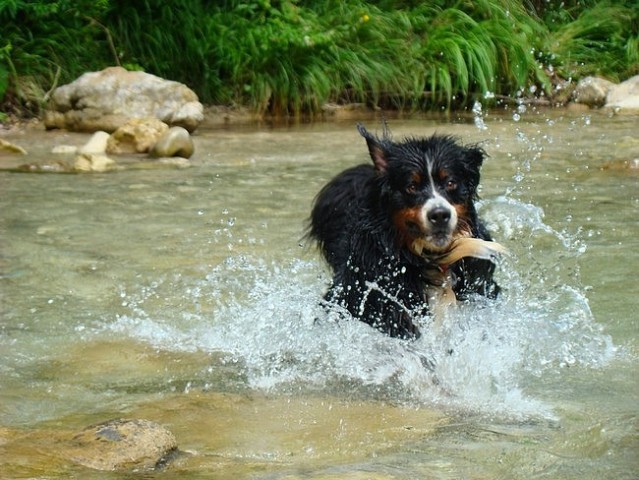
(122, 444)
(631, 166)
(64, 149)
(176, 142)
(57, 166)
(12, 148)
(90, 162)
(138, 135)
(107, 99)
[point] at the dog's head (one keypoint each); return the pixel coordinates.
(428, 185)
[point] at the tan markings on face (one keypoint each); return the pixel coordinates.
(415, 182)
(410, 224)
(463, 228)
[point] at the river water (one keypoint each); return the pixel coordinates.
(189, 297)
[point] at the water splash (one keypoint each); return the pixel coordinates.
(266, 319)
(478, 116)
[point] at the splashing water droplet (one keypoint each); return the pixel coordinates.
(478, 116)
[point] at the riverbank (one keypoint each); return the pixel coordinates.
(291, 58)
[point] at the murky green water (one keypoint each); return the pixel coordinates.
(188, 297)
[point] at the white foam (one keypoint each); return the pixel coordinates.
(267, 319)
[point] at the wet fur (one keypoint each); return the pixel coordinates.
(366, 221)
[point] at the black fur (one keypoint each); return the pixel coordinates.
(366, 218)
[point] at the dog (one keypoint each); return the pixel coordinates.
(403, 231)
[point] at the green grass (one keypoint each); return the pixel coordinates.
(288, 57)
(601, 40)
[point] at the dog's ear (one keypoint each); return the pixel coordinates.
(374, 148)
(473, 159)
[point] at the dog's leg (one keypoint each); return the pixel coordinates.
(441, 299)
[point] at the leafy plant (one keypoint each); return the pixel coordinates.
(289, 57)
(600, 40)
(48, 41)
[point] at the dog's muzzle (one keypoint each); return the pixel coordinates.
(440, 222)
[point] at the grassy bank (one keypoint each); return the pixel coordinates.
(293, 56)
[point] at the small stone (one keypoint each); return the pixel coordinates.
(96, 144)
(176, 142)
(136, 136)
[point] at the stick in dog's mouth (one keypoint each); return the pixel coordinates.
(440, 294)
(460, 248)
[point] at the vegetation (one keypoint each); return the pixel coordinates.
(293, 56)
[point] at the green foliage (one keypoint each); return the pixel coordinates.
(600, 40)
(48, 41)
(5, 62)
(293, 56)
(170, 39)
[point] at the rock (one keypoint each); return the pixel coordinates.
(8, 147)
(631, 166)
(107, 99)
(49, 167)
(96, 144)
(89, 162)
(176, 142)
(592, 91)
(64, 149)
(625, 95)
(122, 444)
(138, 135)
(177, 162)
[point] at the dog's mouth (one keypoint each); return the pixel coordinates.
(439, 240)
(460, 247)
(433, 243)
(432, 237)
(431, 227)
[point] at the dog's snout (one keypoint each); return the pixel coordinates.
(439, 216)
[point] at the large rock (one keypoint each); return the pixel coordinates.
(624, 96)
(107, 99)
(592, 91)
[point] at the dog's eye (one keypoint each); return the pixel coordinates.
(451, 185)
(412, 188)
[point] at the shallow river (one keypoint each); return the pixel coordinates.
(190, 298)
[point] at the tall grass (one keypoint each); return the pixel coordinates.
(600, 40)
(167, 38)
(44, 43)
(287, 57)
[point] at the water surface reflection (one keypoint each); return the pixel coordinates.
(188, 296)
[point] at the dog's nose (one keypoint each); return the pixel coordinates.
(439, 216)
